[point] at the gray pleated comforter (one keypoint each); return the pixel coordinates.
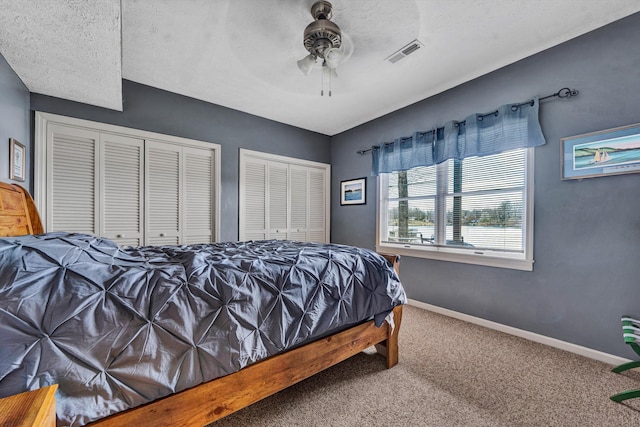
(116, 328)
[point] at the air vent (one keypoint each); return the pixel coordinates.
(404, 51)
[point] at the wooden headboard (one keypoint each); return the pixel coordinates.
(18, 213)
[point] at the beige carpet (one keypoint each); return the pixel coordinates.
(452, 373)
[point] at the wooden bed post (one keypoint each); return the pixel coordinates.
(392, 338)
(390, 346)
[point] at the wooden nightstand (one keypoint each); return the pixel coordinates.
(35, 408)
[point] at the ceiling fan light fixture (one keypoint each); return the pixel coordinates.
(332, 57)
(322, 38)
(321, 35)
(306, 64)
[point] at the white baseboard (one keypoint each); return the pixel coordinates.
(562, 345)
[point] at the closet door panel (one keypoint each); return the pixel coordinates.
(317, 206)
(253, 189)
(72, 161)
(199, 173)
(162, 193)
(278, 200)
(298, 200)
(122, 189)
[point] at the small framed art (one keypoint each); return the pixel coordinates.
(17, 156)
(608, 152)
(353, 192)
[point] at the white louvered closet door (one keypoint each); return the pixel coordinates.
(199, 173)
(283, 198)
(298, 200)
(253, 189)
(317, 206)
(130, 186)
(162, 193)
(278, 200)
(72, 158)
(122, 188)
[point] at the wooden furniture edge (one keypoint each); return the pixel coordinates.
(34, 216)
(213, 400)
(394, 259)
(389, 347)
(35, 408)
(22, 221)
(218, 398)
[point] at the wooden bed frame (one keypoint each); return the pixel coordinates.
(220, 397)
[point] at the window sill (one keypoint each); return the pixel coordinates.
(488, 260)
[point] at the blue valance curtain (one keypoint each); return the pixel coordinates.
(509, 127)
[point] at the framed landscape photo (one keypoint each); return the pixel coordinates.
(17, 155)
(353, 192)
(608, 152)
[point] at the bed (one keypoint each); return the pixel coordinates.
(193, 385)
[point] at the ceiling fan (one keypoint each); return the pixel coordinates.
(324, 40)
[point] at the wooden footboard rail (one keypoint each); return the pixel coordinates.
(216, 399)
(223, 396)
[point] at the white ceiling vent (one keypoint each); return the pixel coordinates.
(405, 51)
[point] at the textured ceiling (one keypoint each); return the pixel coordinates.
(242, 54)
(69, 49)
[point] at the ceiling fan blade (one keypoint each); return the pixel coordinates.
(346, 47)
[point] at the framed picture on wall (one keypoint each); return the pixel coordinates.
(353, 192)
(608, 152)
(17, 156)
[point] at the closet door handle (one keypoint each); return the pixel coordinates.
(162, 234)
(120, 236)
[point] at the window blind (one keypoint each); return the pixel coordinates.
(477, 203)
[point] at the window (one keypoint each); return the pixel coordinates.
(477, 210)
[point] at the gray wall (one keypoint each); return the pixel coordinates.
(156, 110)
(14, 119)
(587, 233)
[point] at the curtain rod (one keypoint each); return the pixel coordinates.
(565, 92)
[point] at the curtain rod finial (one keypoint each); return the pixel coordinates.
(567, 93)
